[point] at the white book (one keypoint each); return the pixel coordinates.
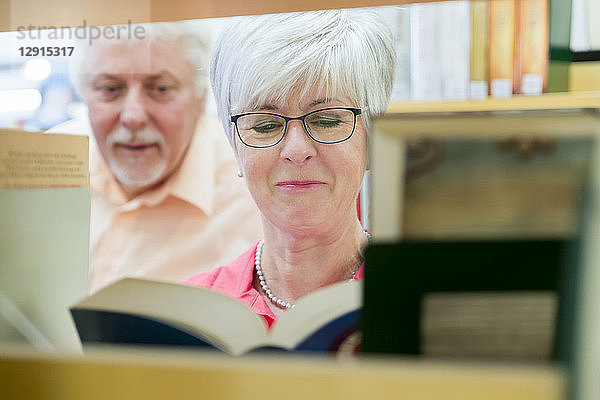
(398, 19)
(425, 60)
(44, 231)
(580, 33)
(455, 50)
(593, 12)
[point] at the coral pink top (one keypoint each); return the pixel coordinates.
(235, 279)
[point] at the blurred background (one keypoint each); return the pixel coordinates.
(35, 93)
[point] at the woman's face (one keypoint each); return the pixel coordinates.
(300, 185)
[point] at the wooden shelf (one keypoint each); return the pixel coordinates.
(550, 115)
(549, 101)
(59, 13)
(159, 375)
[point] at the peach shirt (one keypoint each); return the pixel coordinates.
(201, 217)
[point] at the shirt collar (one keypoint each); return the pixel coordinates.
(249, 295)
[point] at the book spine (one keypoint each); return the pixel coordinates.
(593, 12)
(455, 50)
(398, 20)
(502, 47)
(425, 62)
(560, 52)
(580, 32)
(402, 43)
(517, 48)
(560, 30)
(532, 73)
(480, 36)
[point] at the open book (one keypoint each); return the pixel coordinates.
(151, 312)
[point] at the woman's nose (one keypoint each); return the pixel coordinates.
(298, 147)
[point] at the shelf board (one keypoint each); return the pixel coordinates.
(58, 13)
(154, 374)
(549, 101)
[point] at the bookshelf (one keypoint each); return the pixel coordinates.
(550, 116)
(553, 115)
(148, 375)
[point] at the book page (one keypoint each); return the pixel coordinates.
(222, 320)
(489, 324)
(40, 160)
(314, 311)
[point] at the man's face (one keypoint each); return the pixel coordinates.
(143, 108)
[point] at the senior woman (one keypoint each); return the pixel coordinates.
(295, 93)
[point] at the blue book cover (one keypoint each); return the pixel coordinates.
(145, 312)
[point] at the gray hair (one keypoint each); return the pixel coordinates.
(197, 40)
(264, 58)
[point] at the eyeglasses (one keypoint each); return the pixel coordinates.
(327, 125)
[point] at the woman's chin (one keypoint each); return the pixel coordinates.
(303, 221)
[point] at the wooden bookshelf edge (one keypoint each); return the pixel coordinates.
(548, 101)
(154, 374)
(59, 13)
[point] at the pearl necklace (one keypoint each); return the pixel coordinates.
(263, 283)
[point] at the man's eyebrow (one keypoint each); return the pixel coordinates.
(105, 76)
(156, 76)
(162, 74)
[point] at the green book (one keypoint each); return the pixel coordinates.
(560, 52)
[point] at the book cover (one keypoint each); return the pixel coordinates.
(480, 36)
(141, 311)
(469, 299)
(455, 48)
(502, 47)
(44, 231)
(531, 65)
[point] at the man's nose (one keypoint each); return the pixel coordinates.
(298, 147)
(133, 113)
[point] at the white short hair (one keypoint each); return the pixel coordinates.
(197, 41)
(265, 58)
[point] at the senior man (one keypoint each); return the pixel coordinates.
(166, 198)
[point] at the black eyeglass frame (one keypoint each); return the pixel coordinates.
(355, 111)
